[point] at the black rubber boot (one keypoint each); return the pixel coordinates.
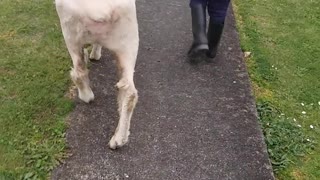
(199, 46)
(214, 35)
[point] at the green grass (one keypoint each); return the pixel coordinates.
(33, 80)
(284, 38)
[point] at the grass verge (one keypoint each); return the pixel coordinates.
(33, 81)
(284, 36)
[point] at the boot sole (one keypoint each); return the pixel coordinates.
(197, 57)
(198, 54)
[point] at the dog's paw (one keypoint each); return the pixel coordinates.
(86, 95)
(95, 55)
(118, 141)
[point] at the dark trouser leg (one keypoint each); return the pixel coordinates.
(200, 42)
(217, 10)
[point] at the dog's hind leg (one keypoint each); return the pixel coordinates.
(127, 95)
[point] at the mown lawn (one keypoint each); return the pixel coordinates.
(284, 39)
(34, 69)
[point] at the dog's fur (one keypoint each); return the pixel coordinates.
(103, 23)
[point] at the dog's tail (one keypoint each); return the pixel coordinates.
(100, 12)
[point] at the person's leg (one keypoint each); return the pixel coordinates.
(217, 10)
(200, 43)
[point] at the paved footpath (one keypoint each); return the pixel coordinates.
(192, 122)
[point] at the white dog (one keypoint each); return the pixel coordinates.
(113, 25)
